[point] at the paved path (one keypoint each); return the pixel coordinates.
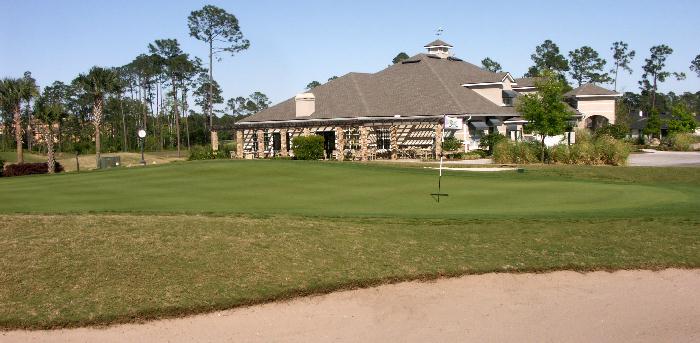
(625, 306)
(653, 158)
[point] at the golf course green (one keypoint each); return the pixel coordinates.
(333, 189)
(132, 244)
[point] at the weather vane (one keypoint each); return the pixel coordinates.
(439, 31)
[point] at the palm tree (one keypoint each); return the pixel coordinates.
(49, 112)
(12, 92)
(96, 83)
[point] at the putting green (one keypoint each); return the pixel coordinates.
(329, 189)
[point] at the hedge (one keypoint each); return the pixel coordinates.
(21, 169)
(308, 147)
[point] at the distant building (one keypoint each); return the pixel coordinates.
(398, 111)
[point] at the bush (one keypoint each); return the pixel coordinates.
(2, 166)
(451, 144)
(21, 169)
(308, 147)
(508, 151)
(611, 151)
(617, 131)
(199, 152)
(489, 141)
(681, 141)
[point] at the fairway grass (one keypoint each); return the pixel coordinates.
(189, 237)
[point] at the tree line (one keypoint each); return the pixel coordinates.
(103, 108)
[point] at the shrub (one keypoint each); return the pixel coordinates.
(308, 147)
(199, 152)
(681, 141)
(489, 141)
(508, 151)
(617, 131)
(451, 144)
(611, 151)
(560, 154)
(21, 169)
(2, 166)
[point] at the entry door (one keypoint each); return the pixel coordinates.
(328, 142)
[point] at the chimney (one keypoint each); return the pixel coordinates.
(305, 104)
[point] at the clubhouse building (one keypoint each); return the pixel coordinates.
(398, 112)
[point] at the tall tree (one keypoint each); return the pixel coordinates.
(400, 57)
(312, 85)
(491, 65)
(236, 106)
(49, 113)
(587, 66)
(547, 57)
(546, 113)
(12, 93)
(176, 64)
(622, 57)
(654, 71)
(332, 78)
(96, 84)
(207, 94)
(695, 65)
(221, 31)
(31, 83)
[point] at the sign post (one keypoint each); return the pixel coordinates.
(450, 123)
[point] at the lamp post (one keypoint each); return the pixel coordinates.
(142, 136)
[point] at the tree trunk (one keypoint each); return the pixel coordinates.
(97, 122)
(653, 94)
(177, 117)
(184, 111)
(121, 108)
(30, 136)
(542, 151)
(617, 67)
(18, 133)
(50, 158)
(211, 87)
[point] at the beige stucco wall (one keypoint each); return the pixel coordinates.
(596, 106)
(493, 93)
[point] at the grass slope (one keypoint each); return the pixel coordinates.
(335, 189)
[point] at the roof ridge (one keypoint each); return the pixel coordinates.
(442, 82)
(360, 94)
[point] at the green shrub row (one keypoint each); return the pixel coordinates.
(199, 152)
(603, 149)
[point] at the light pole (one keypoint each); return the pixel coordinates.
(142, 136)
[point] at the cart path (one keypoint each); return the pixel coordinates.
(638, 306)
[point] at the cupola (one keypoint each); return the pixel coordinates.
(439, 48)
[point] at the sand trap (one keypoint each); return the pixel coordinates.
(476, 169)
(638, 306)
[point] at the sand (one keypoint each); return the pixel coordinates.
(629, 306)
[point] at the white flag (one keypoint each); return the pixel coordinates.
(453, 123)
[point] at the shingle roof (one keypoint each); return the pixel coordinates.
(437, 42)
(525, 82)
(589, 89)
(425, 86)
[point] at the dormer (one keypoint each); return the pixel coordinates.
(496, 87)
(439, 48)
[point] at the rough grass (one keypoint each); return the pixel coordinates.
(74, 270)
(87, 162)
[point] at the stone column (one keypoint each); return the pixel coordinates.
(394, 141)
(239, 143)
(340, 143)
(307, 132)
(467, 137)
(214, 141)
(261, 144)
(363, 143)
(283, 143)
(438, 139)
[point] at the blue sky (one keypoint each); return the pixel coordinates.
(293, 43)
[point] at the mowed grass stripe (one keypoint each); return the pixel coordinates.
(334, 189)
(74, 270)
